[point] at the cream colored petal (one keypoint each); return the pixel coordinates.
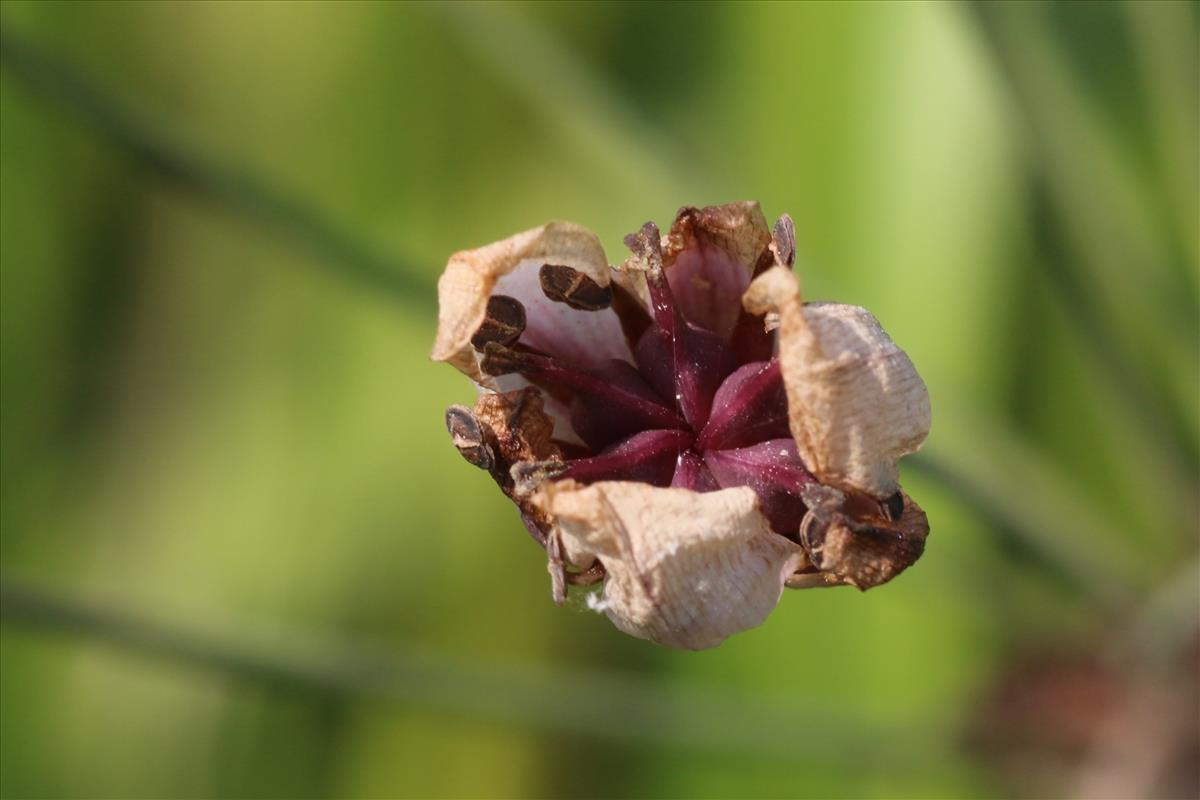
(738, 229)
(684, 569)
(710, 255)
(855, 402)
(511, 267)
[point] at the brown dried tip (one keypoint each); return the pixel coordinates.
(469, 437)
(646, 246)
(504, 322)
(856, 544)
(528, 475)
(783, 241)
(571, 286)
(518, 428)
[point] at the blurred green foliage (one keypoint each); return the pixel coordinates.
(220, 225)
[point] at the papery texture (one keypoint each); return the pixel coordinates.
(710, 255)
(850, 542)
(683, 569)
(855, 402)
(511, 267)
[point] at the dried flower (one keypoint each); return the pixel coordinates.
(683, 427)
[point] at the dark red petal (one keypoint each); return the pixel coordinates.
(692, 473)
(708, 286)
(750, 406)
(698, 359)
(649, 457)
(600, 395)
(599, 422)
(750, 340)
(774, 471)
(655, 360)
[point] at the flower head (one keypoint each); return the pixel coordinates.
(683, 427)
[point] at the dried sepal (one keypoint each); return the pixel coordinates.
(737, 229)
(855, 402)
(683, 569)
(523, 432)
(502, 433)
(860, 549)
(511, 267)
(710, 255)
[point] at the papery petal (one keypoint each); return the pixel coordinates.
(518, 421)
(684, 569)
(855, 402)
(584, 338)
(511, 267)
(710, 255)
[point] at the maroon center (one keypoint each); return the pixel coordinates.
(703, 405)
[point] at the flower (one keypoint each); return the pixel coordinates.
(683, 427)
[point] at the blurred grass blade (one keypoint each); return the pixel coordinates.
(1101, 240)
(1020, 494)
(601, 705)
(167, 158)
(1165, 46)
(572, 96)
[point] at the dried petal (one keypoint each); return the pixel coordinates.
(511, 267)
(683, 569)
(522, 429)
(855, 402)
(512, 430)
(710, 255)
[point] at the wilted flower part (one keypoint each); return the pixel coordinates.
(856, 401)
(683, 569)
(683, 427)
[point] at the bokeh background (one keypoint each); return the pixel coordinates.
(242, 559)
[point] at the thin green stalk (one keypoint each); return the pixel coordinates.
(603, 705)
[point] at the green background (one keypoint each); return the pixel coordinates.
(242, 559)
